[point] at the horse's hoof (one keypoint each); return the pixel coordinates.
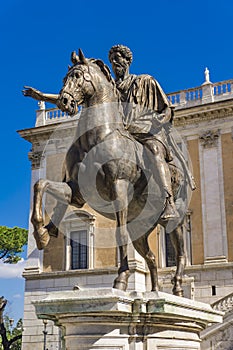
(42, 238)
(178, 292)
(121, 285)
(121, 282)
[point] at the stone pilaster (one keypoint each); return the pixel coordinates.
(213, 206)
(35, 257)
(35, 158)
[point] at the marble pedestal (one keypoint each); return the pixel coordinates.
(101, 319)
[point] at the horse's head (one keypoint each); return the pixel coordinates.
(81, 83)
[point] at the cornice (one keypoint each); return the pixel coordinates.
(43, 133)
(197, 114)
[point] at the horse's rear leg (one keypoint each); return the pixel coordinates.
(178, 244)
(62, 192)
(142, 247)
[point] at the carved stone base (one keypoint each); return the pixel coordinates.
(110, 319)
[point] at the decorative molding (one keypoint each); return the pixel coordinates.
(35, 158)
(79, 214)
(31, 271)
(200, 113)
(45, 132)
(209, 138)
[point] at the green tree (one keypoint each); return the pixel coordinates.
(12, 241)
(12, 336)
(16, 334)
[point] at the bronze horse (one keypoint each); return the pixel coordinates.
(106, 168)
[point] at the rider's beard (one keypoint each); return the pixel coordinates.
(119, 71)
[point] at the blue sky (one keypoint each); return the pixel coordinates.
(173, 40)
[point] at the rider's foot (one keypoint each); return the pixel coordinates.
(170, 211)
(52, 229)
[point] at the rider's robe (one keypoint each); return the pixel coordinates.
(143, 102)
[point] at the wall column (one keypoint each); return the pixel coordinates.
(213, 206)
(35, 257)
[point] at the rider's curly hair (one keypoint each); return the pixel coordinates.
(124, 51)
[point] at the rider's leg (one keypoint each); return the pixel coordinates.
(158, 151)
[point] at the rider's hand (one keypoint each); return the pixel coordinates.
(34, 93)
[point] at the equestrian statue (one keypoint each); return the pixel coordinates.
(123, 162)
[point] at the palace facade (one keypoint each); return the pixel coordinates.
(85, 256)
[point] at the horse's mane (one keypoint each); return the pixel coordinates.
(106, 71)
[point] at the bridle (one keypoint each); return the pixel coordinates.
(87, 77)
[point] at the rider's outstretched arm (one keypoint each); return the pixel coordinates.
(51, 98)
(40, 96)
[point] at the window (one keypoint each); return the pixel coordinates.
(79, 232)
(79, 252)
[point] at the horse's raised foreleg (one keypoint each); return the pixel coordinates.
(62, 192)
(142, 247)
(178, 243)
(121, 211)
